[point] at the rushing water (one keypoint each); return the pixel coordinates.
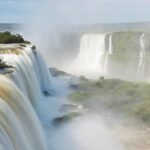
(108, 56)
(90, 57)
(20, 91)
(31, 98)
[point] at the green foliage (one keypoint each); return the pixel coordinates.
(7, 37)
(82, 78)
(78, 96)
(126, 50)
(128, 98)
(27, 42)
(142, 110)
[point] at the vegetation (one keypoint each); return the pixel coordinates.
(7, 38)
(117, 96)
(126, 53)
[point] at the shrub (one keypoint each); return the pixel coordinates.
(7, 37)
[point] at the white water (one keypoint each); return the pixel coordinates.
(108, 55)
(90, 58)
(20, 92)
(110, 50)
(19, 126)
(141, 64)
(22, 98)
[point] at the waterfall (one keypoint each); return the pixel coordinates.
(19, 126)
(108, 55)
(26, 106)
(141, 64)
(89, 61)
(20, 91)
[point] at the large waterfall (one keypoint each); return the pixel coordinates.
(113, 55)
(20, 91)
(30, 100)
(90, 59)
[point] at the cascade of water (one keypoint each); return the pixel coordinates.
(19, 126)
(109, 53)
(30, 67)
(89, 61)
(22, 91)
(22, 129)
(110, 50)
(141, 63)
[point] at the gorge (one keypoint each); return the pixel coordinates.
(41, 109)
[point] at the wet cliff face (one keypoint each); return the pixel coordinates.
(130, 49)
(123, 60)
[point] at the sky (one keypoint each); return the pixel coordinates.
(75, 11)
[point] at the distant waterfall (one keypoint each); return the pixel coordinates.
(110, 50)
(109, 53)
(89, 61)
(141, 64)
(20, 91)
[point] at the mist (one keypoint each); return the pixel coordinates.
(50, 20)
(85, 133)
(91, 54)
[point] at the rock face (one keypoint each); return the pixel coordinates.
(125, 60)
(123, 55)
(120, 55)
(55, 72)
(65, 118)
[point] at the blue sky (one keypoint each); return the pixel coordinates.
(75, 11)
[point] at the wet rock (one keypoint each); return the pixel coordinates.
(46, 93)
(55, 72)
(74, 86)
(65, 118)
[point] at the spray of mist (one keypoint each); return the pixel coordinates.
(86, 133)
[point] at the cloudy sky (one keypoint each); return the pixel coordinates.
(75, 11)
